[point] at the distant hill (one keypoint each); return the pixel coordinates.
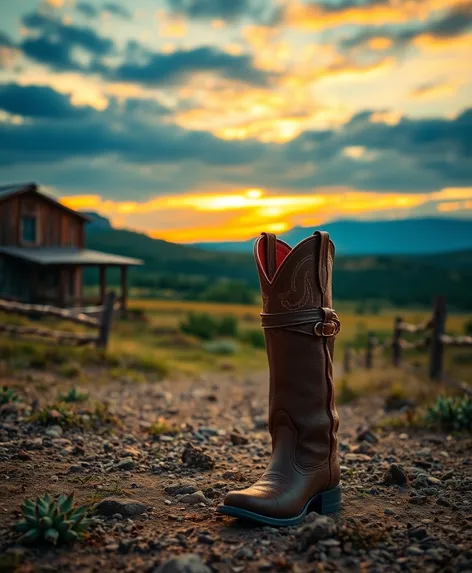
(180, 271)
(401, 237)
(97, 221)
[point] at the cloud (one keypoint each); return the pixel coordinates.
(39, 102)
(162, 68)
(117, 10)
(227, 10)
(368, 152)
(70, 36)
(130, 133)
(448, 25)
(431, 90)
(90, 11)
(86, 9)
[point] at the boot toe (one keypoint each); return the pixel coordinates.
(255, 500)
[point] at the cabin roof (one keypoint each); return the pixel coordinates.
(67, 256)
(7, 191)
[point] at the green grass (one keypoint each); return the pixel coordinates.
(150, 346)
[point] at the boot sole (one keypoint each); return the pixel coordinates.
(325, 502)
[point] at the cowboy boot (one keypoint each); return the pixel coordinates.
(303, 473)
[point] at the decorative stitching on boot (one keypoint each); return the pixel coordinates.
(307, 295)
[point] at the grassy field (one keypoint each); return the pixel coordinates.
(150, 343)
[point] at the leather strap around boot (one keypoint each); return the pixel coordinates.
(317, 321)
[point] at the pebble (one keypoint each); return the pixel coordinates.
(125, 507)
(125, 464)
(395, 475)
(194, 498)
(183, 564)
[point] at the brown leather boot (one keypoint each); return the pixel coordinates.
(300, 326)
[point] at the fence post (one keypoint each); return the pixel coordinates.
(105, 320)
(369, 350)
(437, 346)
(396, 346)
(347, 366)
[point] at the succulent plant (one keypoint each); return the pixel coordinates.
(7, 395)
(54, 521)
(73, 395)
(451, 413)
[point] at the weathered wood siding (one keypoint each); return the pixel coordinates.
(56, 227)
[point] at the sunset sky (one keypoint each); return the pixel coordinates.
(197, 120)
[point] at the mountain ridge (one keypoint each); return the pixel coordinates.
(428, 235)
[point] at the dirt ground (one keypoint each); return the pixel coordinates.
(422, 525)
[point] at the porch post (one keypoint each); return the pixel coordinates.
(103, 283)
(63, 284)
(124, 290)
(77, 288)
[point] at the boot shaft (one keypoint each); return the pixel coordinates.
(300, 325)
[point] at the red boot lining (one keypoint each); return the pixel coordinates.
(282, 250)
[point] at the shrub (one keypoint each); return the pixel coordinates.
(69, 370)
(451, 414)
(468, 328)
(345, 394)
(200, 324)
(227, 326)
(221, 347)
(254, 337)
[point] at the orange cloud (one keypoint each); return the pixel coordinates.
(435, 90)
(315, 17)
(240, 215)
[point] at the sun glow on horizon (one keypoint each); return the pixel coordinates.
(241, 215)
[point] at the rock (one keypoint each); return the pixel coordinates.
(60, 442)
(351, 457)
(434, 481)
(244, 553)
(389, 511)
(54, 431)
(197, 458)
(393, 403)
(125, 464)
(126, 507)
(424, 453)
(24, 456)
(443, 501)
(181, 488)
(260, 422)
(365, 434)
(206, 539)
(238, 439)
(417, 533)
(315, 528)
(194, 498)
(184, 564)
(395, 475)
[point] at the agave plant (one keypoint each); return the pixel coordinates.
(73, 395)
(7, 396)
(452, 413)
(52, 521)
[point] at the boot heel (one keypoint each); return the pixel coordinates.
(331, 500)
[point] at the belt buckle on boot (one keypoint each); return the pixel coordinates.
(321, 331)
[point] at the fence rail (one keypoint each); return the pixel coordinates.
(101, 323)
(434, 338)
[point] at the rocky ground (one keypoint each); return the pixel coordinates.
(154, 486)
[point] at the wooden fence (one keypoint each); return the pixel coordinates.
(434, 338)
(102, 323)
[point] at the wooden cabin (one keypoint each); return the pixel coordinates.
(42, 251)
